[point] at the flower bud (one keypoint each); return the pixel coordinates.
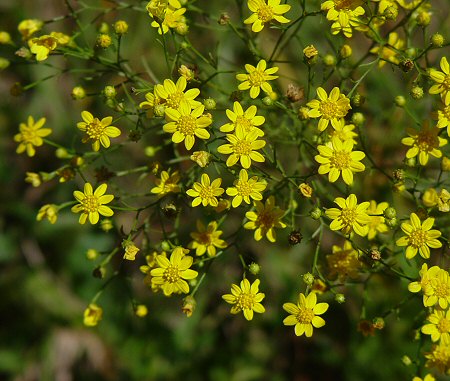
(78, 92)
(209, 103)
(224, 19)
(391, 12)
(159, 110)
(400, 100)
(106, 225)
(329, 60)
(445, 164)
(305, 190)
(423, 19)
(141, 310)
(267, 101)
(109, 92)
(378, 323)
(92, 315)
(189, 304)
(390, 212)
(4, 63)
(5, 38)
(417, 92)
(375, 254)
(308, 279)
(303, 113)
(104, 28)
(345, 51)
(315, 213)
(92, 254)
(392, 222)
(103, 40)
(340, 298)
(254, 268)
(437, 40)
(406, 360)
(358, 118)
(121, 27)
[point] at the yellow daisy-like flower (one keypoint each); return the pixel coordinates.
(186, 124)
(351, 217)
(99, 131)
(331, 108)
(31, 135)
(425, 276)
(442, 79)
(304, 315)
(419, 237)
(248, 120)
(152, 100)
(343, 131)
(428, 377)
(29, 27)
(344, 262)
(377, 222)
(168, 183)
(49, 211)
(437, 290)
(242, 147)
(388, 52)
(167, 14)
(92, 315)
(42, 46)
(130, 249)
(266, 218)
(205, 192)
(92, 204)
(439, 358)
(245, 189)
(173, 94)
(207, 239)
(245, 298)
(171, 274)
(439, 326)
(443, 116)
(264, 12)
(344, 14)
(337, 157)
(257, 78)
(424, 143)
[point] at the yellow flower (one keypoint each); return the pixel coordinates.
(331, 108)
(91, 203)
(152, 100)
(428, 377)
(245, 298)
(425, 276)
(337, 157)
(444, 117)
(49, 211)
(167, 14)
(265, 219)
(174, 94)
(305, 190)
(430, 198)
(29, 27)
(439, 358)
(444, 201)
(92, 315)
(419, 237)
(442, 79)
(167, 184)
(130, 250)
(266, 12)
(248, 120)
(171, 274)
(202, 158)
(99, 131)
(42, 46)
(344, 14)
(304, 315)
(242, 147)
(343, 131)
(437, 289)
(439, 326)
(206, 239)
(141, 310)
(388, 52)
(257, 78)
(185, 124)
(245, 188)
(34, 179)
(344, 262)
(206, 193)
(351, 217)
(377, 222)
(31, 135)
(424, 143)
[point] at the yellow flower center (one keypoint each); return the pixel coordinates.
(441, 289)
(187, 125)
(91, 204)
(348, 216)
(171, 274)
(426, 141)
(245, 301)
(443, 326)
(446, 113)
(265, 13)
(305, 316)
(29, 134)
(244, 122)
(345, 4)
(174, 99)
(446, 82)
(95, 129)
(206, 193)
(418, 238)
(244, 188)
(256, 78)
(340, 160)
(266, 219)
(329, 109)
(242, 147)
(204, 238)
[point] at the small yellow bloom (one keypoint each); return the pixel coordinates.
(141, 310)
(332, 108)
(304, 315)
(207, 239)
(168, 183)
(257, 78)
(5, 38)
(167, 14)
(344, 262)
(245, 189)
(343, 131)
(99, 131)
(428, 377)
(430, 198)
(388, 52)
(34, 179)
(438, 326)
(92, 204)
(187, 73)
(264, 221)
(248, 120)
(173, 94)
(337, 157)
(305, 190)
(92, 315)
(351, 217)
(242, 147)
(245, 298)
(29, 27)
(130, 250)
(171, 274)
(42, 46)
(424, 143)
(202, 158)
(205, 192)
(344, 15)
(442, 79)
(186, 124)
(49, 211)
(377, 221)
(443, 116)
(152, 100)
(31, 135)
(437, 289)
(444, 201)
(439, 358)
(419, 237)
(264, 12)
(425, 276)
